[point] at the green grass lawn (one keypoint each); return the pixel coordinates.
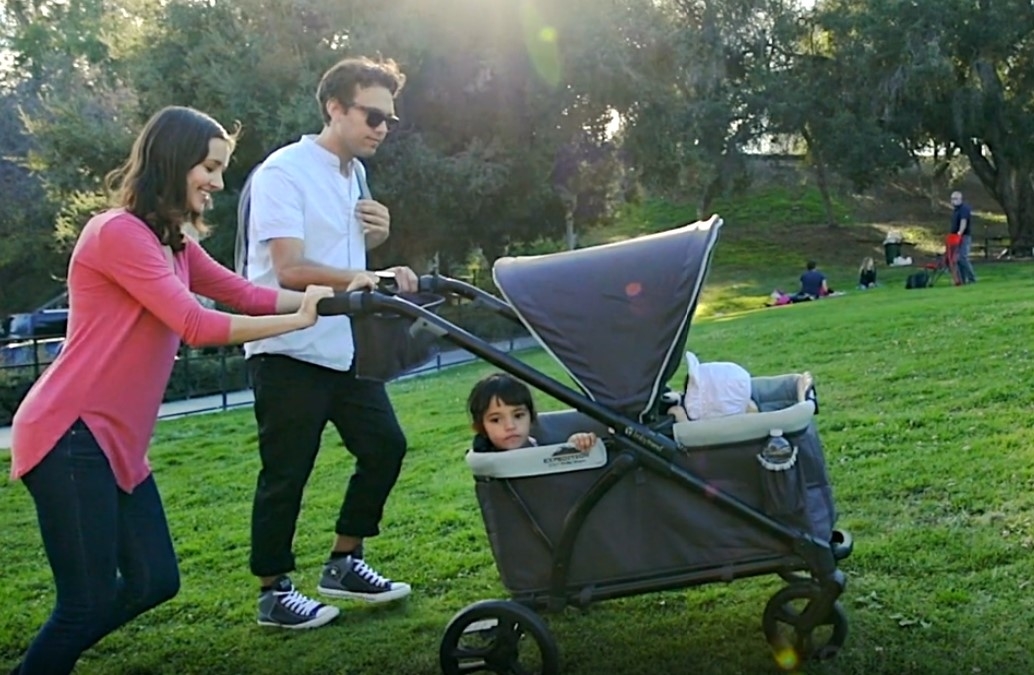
(926, 422)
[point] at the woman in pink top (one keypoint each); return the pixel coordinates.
(80, 436)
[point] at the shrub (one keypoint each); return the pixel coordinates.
(15, 383)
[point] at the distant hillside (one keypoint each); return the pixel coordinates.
(770, 232)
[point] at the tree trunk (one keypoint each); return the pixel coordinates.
(1016, 195)
(725, 168)
(1007, 175)
(933, 181)
(1013, 189)
(823, 183)
(707, 197)
(569, 237)
(821, 178)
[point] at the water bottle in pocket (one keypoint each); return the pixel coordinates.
(782, 480)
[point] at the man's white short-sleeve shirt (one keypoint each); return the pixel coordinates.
(300, 192)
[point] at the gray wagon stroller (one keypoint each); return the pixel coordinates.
(657, 505)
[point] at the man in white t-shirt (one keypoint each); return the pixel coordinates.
(309, 224)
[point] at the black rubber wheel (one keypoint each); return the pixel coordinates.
(791, 645)
(496, 636)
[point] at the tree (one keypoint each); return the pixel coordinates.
(65, 57)
(27, 257)
(958, 73)
(811, 94)
(587, 178)
(495, 88)
(473, 110)
(703, 99)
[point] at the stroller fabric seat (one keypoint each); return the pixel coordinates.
(646, 524)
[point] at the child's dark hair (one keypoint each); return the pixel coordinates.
(506, 388)
(811, 265)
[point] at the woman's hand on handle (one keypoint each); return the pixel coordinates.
(313, 294)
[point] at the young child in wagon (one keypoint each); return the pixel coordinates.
(502, 411)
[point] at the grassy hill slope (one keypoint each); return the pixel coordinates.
(770, 233)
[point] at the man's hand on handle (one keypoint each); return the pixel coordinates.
(405, 278)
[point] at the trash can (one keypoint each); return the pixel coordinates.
(892, 250)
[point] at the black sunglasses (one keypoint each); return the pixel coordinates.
(375, 117)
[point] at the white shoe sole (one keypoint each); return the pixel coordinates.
(328, 614)
(399, 591)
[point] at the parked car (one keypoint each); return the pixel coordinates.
(41, 323)
(48, 320)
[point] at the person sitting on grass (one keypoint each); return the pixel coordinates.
(502, 412)
(813, 284)
(867, 274)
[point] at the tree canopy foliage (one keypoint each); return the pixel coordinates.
(522, 120)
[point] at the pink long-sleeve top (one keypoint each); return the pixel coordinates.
(130, 305)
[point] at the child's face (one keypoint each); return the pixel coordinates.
(508, 427)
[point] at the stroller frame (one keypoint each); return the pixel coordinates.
(638, 445)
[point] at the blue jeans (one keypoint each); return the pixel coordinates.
(110, 551)
(962, 263)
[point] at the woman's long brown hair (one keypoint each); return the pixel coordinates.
(152, 184)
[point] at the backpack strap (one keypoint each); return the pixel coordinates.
(360, 174)
(240, 247)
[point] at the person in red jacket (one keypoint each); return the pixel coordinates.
(80, 437)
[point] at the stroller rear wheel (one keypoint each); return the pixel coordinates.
(491, 636)
(791, 641)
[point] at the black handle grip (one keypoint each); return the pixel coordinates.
(342, 303)
(428, 283)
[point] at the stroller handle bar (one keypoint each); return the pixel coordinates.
(361, 302)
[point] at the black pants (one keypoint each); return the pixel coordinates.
(294, 401)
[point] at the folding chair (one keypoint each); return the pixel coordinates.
(946, 262)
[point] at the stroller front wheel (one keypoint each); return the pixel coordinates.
(791, 640)
(492, 636)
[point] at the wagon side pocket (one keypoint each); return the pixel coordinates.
(783, 484)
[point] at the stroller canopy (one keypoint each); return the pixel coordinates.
(614, 316)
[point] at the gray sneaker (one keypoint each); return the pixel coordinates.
(350, 577)
(284, 607)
